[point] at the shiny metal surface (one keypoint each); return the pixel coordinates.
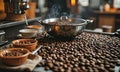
(2, 35)
(16, 6)
(71, 28)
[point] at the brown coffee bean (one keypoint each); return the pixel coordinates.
(95, 70)
(71, 65)
(83, 68)
(75, 70)
(49, 61)
(61, 69)
(72, 62)
(55, 68)
(90, 69)
(56, 63)
(111, 70)
(107, 66)
(65, 66)
(112, 65)
(118, 63)
(82, 64)
(68, 70)
(47, 68)
(50, 65)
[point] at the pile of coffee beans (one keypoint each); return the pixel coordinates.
(14, 53)
(88, 52)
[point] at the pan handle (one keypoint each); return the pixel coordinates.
(39, 20)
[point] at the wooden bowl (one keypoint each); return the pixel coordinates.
(29, 44)
(14, 56)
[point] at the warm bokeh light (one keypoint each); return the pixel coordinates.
(57, 28)
(73, 2)
(107, 7)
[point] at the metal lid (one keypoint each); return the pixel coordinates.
(2, 32)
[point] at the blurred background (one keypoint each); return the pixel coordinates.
(105, 13)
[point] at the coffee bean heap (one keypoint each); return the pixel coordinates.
(88, 52)
(14, 53)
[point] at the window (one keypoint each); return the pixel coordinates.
(116, 3)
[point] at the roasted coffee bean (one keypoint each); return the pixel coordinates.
(75, 70)
(118, 63)
(90, 69)
(61, 69)
(47, 68)
(95, 70)
(48, 61)
(65, 66)
(61, 58)
(50, 65)
(82, 64)
(14, 53)
(83, 68)
(75, 65)
(71, 65)
(112, 65)
(55, 69)
(68, 71)
(56, 63)
(61, 63)
(101, 69)
(107, 66)
(111, 70)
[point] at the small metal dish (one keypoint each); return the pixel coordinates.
(28, 33)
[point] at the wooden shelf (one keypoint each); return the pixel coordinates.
(107, 18)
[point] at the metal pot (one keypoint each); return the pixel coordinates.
(64, 27)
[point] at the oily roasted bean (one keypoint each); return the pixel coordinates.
(61, 69)
(50, 65)
(65, 66)
(118, 63)
(14, 53)
(47, 68)
(55, 69)
(107, 66)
